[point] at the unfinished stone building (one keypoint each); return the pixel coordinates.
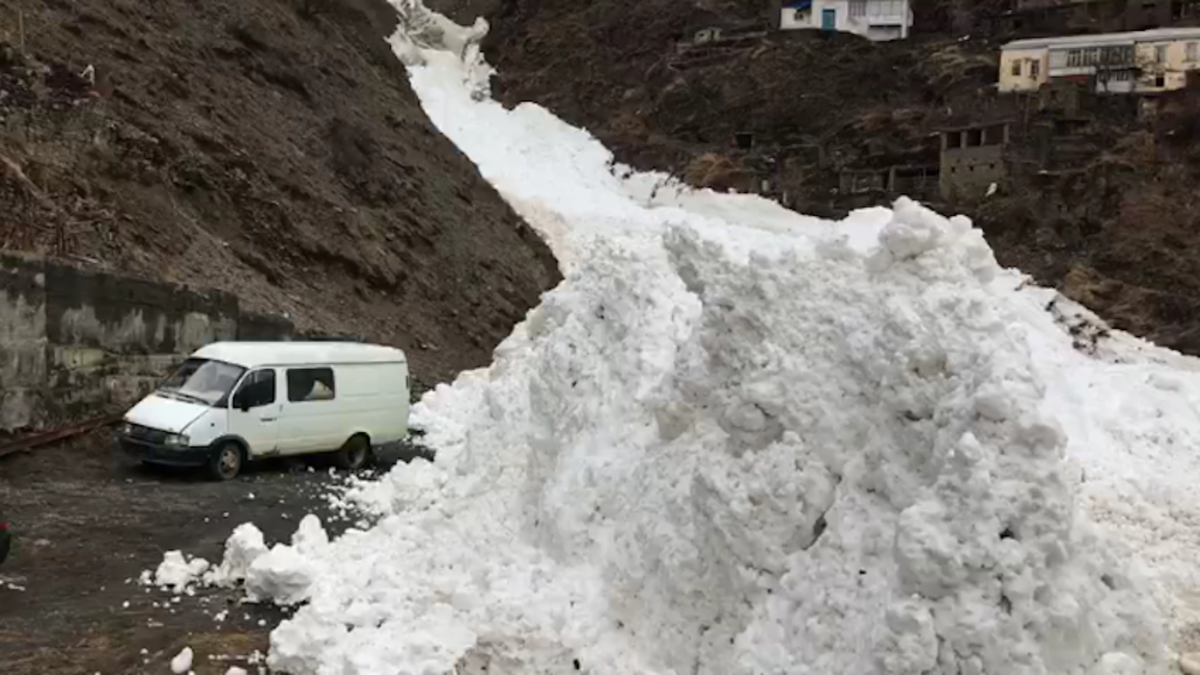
(972, 159)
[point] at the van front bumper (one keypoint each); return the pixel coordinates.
(167, 455)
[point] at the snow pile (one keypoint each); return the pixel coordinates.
(737, 440)
(810, 459)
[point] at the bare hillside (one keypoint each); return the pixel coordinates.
(271, 148)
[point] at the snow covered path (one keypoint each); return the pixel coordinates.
(740, 440)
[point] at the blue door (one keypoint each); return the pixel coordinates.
(829, 19)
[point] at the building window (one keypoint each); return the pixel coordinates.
(880, 8)
(858, 8)
(1160, 81)
(1117, 56)
(1035, 69)
(1016, 68)
(1160, 53)
(1193, 53)
(310, 384)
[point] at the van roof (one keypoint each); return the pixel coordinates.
(255, 354)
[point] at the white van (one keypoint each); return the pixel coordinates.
(232, 402)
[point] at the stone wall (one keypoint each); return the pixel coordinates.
(77, 344)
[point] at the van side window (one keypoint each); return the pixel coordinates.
(257, 390)
(310, 384)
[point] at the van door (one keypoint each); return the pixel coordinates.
(312, 419)
(254, 412)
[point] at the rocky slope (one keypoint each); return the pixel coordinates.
(271, 148)
(1115, 231)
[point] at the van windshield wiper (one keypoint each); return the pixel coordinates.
(190, 398)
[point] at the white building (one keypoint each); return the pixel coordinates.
(873, 19)
(1141, 62)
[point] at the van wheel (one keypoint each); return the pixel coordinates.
(354, 454)
(226, 462)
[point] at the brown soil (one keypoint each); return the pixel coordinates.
(87, 520)
(271, 148)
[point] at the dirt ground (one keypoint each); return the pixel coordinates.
(88, 520)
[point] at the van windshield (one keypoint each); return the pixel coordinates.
(202, 381)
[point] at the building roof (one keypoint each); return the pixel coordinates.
(255, 354)
(1156, 35)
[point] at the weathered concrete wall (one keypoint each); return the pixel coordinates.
(76, 343)
(22, 342)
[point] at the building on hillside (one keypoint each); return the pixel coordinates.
(1068, 17)
(1142, 62)
(973, 159)
(877, 20)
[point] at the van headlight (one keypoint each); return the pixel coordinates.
(125, 429)
(176, 441)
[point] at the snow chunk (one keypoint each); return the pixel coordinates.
(243, 547)
(285, 573)
(182, 662)
(176, 572)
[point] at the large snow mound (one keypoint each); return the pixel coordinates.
(738, 440)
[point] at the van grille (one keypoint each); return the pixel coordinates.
(146, 434)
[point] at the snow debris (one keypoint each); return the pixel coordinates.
(243, 547)
(175, 572)
(285, 573)
(234, 670)
(736, 440)
(182, 662)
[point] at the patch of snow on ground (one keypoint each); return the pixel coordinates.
(740, 440)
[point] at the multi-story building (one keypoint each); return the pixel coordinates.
(1141, 62)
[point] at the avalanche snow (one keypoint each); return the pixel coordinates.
(740, 440)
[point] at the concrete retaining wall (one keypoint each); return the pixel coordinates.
(76, 343)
